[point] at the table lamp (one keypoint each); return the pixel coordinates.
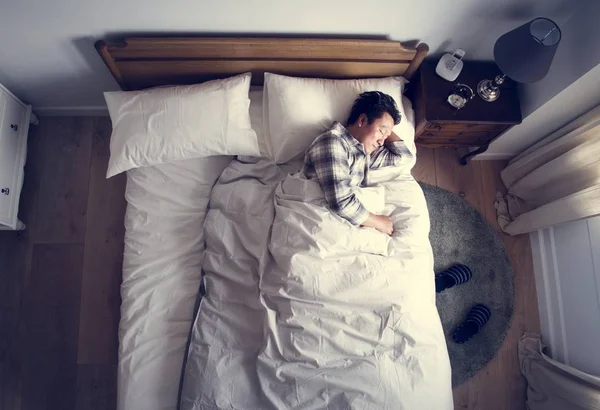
(523, 54)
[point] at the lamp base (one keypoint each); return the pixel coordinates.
(489, 90)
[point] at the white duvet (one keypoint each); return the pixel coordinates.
(163, 255)
(304, 311)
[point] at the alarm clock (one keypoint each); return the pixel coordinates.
(460, 95)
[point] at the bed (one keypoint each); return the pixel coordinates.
(222, 306)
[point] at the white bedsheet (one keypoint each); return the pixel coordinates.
(164, 247)
(304, 311)
(161, 277)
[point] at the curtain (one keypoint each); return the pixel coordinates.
(556, 180)
(552, 385)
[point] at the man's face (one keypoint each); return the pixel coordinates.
(373, 135)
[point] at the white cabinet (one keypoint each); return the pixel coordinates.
(14, 125)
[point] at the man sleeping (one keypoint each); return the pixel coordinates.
(340, 158)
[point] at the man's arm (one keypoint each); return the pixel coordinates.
(392, 138)
(330, 161)
(393, 152)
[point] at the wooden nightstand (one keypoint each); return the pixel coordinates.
(438, 124)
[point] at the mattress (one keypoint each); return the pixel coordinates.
(163, 258)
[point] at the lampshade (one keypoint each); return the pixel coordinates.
(525, 53)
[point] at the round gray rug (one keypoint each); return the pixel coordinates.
(459, 234)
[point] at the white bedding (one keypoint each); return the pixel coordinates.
(164, 254)
(161, 276)
(314, 313)
(164, 247)
(352, 321)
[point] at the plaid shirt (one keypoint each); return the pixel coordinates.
(339, 162)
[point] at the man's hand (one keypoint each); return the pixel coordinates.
(380, 222)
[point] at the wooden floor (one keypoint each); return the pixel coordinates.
(60, 278)
(500, 384)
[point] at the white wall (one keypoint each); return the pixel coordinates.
(572, 102)
(578, 52)
(47, 56)
(564, 94)
(567, 273)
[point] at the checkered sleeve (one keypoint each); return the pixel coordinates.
(329, 157)
(391, 153)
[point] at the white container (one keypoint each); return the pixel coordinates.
(450, 65)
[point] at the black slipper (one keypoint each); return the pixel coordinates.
(453, 276)
(478, 316)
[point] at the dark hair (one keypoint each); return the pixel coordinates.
(374, 104)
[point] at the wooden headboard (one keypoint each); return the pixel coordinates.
(138, 63)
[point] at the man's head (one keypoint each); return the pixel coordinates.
(372, 118)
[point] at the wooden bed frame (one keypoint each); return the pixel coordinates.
(138, 63)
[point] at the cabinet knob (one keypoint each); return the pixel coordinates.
(14, 127)
(5, 191)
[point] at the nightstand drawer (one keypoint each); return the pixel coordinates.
(455, 138)
(471, 127)
(458, 135)
(452, 142)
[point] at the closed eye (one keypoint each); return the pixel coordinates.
(385, 133)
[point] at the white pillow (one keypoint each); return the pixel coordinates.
(297, 110)
(172, 123)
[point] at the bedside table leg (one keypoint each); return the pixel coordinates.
(463, 161)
